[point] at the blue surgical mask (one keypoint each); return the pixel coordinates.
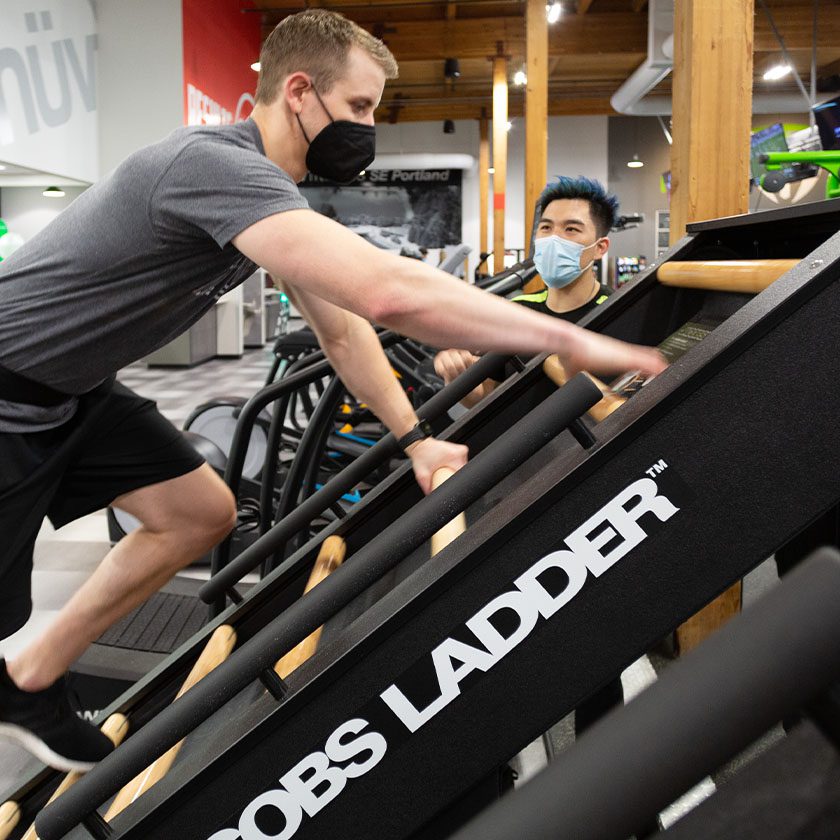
(558, 260)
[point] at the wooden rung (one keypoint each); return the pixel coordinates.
(9, 818)
(724, 275)
(116, 728)
(456, 526)
(216, 651)
(555, 371)
(330, 557)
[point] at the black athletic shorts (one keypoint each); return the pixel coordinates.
(116, 442)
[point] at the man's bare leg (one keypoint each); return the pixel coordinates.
(182, 519)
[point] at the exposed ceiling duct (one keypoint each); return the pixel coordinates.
(632, 97)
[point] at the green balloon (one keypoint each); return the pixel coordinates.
(3, 227)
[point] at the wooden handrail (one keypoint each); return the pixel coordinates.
(724, 275)
(116, 728)
(9, 818)
(330, 557)
(217, 649)
(456, 526)
(555, 371)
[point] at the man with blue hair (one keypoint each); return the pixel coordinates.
(575, 218)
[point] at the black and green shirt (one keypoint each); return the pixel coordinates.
(537, 302)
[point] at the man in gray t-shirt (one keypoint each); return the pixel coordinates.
(141, 256)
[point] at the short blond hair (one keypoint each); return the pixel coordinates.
(316, 42)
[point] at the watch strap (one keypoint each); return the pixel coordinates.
(421, 430)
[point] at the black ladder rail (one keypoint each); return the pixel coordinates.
(519, 274)
(226, 576)
(247, 419)
(310, 448)
(766, 663)
(259, 653)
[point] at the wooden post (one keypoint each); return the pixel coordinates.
(536, 108)
(712, 96)
(9, 818)
(500, 120)
(330, 557)
(116, 728)
(216, 651)
(456, 526)
(483, 180)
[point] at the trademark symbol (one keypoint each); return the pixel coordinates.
(659, 467)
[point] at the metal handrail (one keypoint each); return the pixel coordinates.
(224, 579)
(526, 437)
(308, 450)
(245, 424)
(521, 272)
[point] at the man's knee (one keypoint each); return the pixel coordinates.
(197, 510)
(217, 517)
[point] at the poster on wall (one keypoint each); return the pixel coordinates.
(414, 212)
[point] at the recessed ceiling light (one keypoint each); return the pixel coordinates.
(777, 72)
(256, 66)
(635, 163)
(553, 11)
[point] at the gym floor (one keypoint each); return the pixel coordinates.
(64, 558)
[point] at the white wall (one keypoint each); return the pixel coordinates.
(26, 211)
(48, 97)
(141, 70)
(576, 146)
(638, 190)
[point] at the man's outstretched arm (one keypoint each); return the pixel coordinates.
(355, 353)
(323, 258)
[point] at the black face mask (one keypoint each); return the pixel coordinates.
(341, 150)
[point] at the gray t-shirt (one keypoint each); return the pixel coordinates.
(134, 261)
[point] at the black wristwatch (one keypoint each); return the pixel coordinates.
(422, 430)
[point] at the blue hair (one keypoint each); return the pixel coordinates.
(603, 206)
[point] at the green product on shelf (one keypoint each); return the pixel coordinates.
(775, 161)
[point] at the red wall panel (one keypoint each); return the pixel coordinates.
(221, 41)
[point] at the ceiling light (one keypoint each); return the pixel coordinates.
(53, 192)
(491, 170)
(451, 68)
(779, 71)
(509, 126)
(519, 78)
(635, 163)
(553, 11)
(256, 66)
(2, 166)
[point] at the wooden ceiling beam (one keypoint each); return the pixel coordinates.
(575, 34)
(581, 34)
(583, 6)
(477, 37)
(797, 30)
(638, 5)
